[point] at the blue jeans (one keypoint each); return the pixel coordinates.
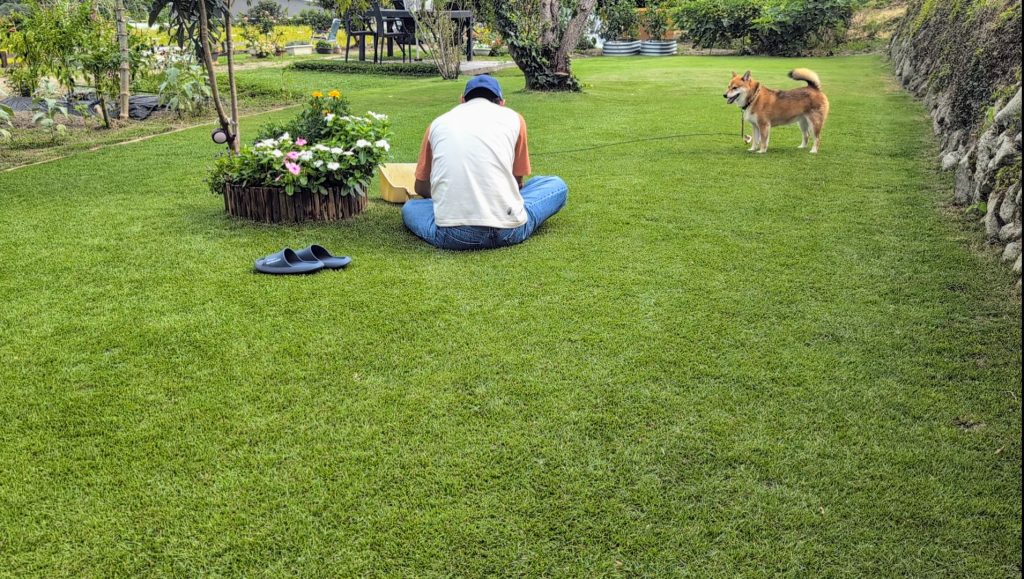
(543, 197)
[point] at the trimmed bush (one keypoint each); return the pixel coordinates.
(342, 67)
(771, 27)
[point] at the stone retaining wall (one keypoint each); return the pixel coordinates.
(963, 57)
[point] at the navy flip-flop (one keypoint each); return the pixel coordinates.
(320, 254)
(286, 262)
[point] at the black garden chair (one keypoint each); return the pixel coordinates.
(358, 27)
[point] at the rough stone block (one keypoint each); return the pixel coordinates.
(1009, 232)
(1012, 251)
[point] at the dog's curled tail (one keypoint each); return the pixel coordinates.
(807, 75)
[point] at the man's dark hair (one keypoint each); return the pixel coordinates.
(483, 93)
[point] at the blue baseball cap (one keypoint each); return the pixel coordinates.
(484, 81)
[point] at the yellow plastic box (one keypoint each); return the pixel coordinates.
(398, 182)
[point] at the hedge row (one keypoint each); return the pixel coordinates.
(389, 68)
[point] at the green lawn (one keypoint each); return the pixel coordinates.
(709, 364)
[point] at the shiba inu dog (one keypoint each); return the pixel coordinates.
(764, 107)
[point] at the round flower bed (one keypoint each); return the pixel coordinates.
(290, 179)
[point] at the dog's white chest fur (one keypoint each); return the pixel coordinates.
(750, 116)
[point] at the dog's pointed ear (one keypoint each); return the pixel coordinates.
(734, 74)
(746, 76)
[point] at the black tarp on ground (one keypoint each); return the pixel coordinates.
(139, 106)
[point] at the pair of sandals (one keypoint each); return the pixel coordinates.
(307, 260)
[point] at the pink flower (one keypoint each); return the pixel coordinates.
(292, 168)
(292, 155)
(300, 141)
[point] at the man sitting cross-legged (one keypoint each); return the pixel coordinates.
(470, 173)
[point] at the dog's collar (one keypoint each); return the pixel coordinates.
(750, 100)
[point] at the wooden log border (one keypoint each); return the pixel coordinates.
(273, 205)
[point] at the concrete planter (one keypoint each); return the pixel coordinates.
(299, 49)
(658, 47)
(621, 47)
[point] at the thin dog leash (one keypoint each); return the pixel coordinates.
(629, 142)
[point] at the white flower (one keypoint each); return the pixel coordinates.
(306, 155)
(337, 150)
(277, 153)
(266, 144)
(378, 116)
(321, 147)
(286, 137)
(362, 143)
(383, 144)
(329, 118)
(348, 153)
(318, 163)
(332, 166)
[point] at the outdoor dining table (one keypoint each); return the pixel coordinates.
(463, 17)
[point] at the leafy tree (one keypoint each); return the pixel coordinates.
(197, 22)
(317, 19)
(541, 35)
(264, 15)
(619, 20)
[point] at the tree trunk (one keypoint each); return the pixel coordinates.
(236, 145)
(103, 109)
(125, 71)
(544, 59)
(204, 41)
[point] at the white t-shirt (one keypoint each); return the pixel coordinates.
(471, 156)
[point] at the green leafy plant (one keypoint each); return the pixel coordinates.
(184, 89)
(619, 20)
(46, 117)
(655, 21)
(309, 123)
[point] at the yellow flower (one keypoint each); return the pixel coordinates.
(334, 94)
(317, 94)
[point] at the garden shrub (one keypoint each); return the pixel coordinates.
(716, 23)
(792, 27)
(323, 148)
(771, 27)
(619, 20)
(655, 21)
(342, 67)
(318, 20)
(309, 123)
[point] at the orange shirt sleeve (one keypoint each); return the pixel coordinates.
(426, 161)
(521, 165)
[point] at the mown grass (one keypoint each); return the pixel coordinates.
(709, 364)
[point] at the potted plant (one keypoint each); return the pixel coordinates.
(655, 21)
(320, 176)
(324, 47)
(618, 27)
